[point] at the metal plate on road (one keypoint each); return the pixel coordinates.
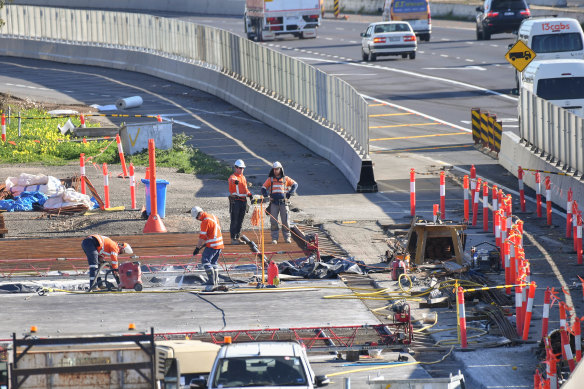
(520, 55)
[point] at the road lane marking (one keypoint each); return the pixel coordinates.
(471, 67)
(388, 114)
(419, 136)
(420, 75)
(389, 151)
(404, 125)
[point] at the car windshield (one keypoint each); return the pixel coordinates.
(394, 27)
(508, 4)
(553, 43)
(566, 88)
(259, 371)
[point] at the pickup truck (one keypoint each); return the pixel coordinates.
(261, 365)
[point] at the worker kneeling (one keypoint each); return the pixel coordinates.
(96, 248)
(211, 239)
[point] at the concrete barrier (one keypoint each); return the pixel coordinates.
(514, 154)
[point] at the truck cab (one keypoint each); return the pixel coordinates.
(261, 365)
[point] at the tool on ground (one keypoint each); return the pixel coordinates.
(484, 259)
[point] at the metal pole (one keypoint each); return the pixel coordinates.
(19, 122)
(9, 112)
(347, 383)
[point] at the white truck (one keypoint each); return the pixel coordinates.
(264, 19)
(274, 365)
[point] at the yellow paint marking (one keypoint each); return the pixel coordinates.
(419, 149)
(349, 222)
(419, 136)
(391, 114)
(376, 105)
(406, 125)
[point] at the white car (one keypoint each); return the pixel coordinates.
(388, 38)
(261, 365)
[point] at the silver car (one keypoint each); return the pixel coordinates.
(388, 38)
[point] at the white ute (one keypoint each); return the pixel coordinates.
(261, 365)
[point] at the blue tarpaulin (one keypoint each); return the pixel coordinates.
(24, 202)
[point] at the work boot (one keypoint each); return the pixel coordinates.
(215, 277)
(288, 240)
(274, 241)
(210, 276)
(235, 241)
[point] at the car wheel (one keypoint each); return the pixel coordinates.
(413, 55)
(363, 55)
(372, 57)
(404, 56)
(427, 37)
(486, 35)
(479, 34)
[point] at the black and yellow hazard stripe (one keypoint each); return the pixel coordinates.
(475, 114)
(498, 132)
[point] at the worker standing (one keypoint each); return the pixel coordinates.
(279, 188)
(211, 238)
(238, 193)
(96, 248)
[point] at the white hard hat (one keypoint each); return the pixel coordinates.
(239, 163)
(195, 211)
(126, 248)
(277, 165)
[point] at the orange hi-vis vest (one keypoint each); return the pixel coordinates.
(279, 185)
(108, 247)
(241, 191)
(211, 231)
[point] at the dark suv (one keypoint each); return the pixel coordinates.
(498, 16)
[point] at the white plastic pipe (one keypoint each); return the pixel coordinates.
(129, 102)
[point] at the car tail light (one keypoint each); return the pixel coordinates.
(525, 12)
(409, 38)
(378, 40)
(492, 14)
(313, 16)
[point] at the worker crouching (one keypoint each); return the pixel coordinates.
(96, 248)
(211, 239)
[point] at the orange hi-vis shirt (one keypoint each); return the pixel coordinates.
(211, 231)
(241, 190)
(108, 247)
(280, 186)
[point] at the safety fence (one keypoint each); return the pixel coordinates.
(486, 130)
(552, 132)
(326, 99)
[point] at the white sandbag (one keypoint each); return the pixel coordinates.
(71, 196)
(129, 102)
(52, 187)
(26, 179)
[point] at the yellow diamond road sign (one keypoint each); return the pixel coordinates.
(520, 56)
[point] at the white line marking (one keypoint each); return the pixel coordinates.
(182, 123)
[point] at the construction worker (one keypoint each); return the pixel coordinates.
(211, 238)
(279, 188)
(96, 248)
(238, 193)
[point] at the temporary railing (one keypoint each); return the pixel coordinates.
(325, 98)
(551, 131)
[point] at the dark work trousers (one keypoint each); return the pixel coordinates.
(237, 215)
(90, 247)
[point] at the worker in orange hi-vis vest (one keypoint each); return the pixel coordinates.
(279, 188)
(211, 238)
(96, 248)
(238, 193)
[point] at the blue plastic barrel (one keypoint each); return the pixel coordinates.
(160, 196)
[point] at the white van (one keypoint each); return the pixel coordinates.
(553, 38)
(415, 12)
(559, 81)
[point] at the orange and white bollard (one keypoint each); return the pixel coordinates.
(507, 258)
(461, 316)
(577, 330)
(121, 154)
(495, 204)
(435, 211)
(574, 222)
(503, 226)
(412, 192)
(548, 200)
(536, 380)
(520, 229)
(546, 312)
(519, 303)
(485, 206)
(569, 214)
(154, 222)
(497, 224)
(473, 178)
(529, 310)
(442, 195)
(106, 199)
(508, 201)
(466, 199)
(159, 118)
(132, 186)
(521, 188)
(552, 372)
(82, 171)
(538, 193)
(475, 202)
(82, 120)
(566, 349)
(3, 128)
